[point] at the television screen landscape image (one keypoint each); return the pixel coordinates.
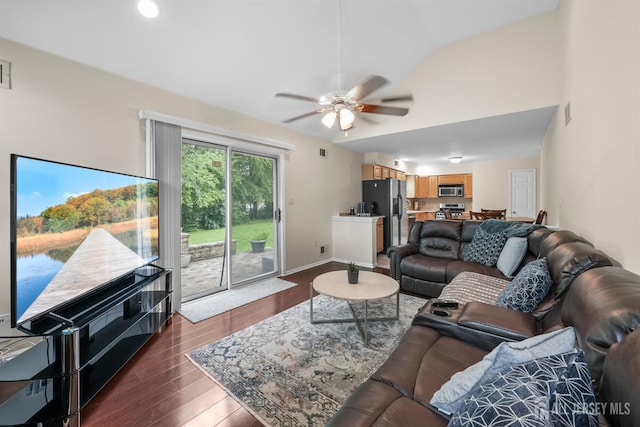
(74, 230)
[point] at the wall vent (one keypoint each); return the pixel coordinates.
(5, 74)
(323, 152)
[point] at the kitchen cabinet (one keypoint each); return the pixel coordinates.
(422, 186)
(424, 216)
(432, 187)
(426, 187)
(375, 171)
(356, 239)
(411, 186)
(467, 181)
(451, 179)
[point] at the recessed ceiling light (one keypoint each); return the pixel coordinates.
(455, 159)
(148, 9)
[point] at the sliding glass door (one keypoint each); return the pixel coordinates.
(253, 229)
(229, 232)
(203, 219)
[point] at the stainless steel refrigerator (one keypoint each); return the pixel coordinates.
(388, 197)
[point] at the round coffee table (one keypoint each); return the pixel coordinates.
(371, 286)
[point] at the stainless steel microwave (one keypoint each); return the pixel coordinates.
(450, 190)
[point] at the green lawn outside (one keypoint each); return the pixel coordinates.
(242, 234)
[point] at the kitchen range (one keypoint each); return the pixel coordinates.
(456, 209)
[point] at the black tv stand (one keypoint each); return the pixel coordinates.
(65, 357)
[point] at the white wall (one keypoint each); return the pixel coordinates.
(61, 110)
(510, 69)
(591, 167)
(491, 181)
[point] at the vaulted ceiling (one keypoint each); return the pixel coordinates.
(239, 54)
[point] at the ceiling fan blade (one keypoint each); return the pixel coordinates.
(366, 119)
(367, 87)
(302, 116)
(381, 109)
(298, 97)
(397, 98)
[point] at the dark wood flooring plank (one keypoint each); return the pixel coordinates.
(160, 387)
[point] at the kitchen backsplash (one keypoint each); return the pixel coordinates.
(432, 205)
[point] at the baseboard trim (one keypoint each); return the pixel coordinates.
(308, 266)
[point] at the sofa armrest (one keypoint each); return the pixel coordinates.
(396, 253)
(476, 323)
(511, 324)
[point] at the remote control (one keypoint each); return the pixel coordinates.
(444, 304)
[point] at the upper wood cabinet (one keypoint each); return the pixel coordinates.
(426, 187)
(421, 186)
(432, 187)
(451, 179)
(374, 171)
(468, 185)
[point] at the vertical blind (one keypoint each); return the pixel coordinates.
(165, 152)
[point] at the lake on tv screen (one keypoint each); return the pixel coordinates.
(78, 228)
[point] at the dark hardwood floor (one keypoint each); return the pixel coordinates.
(161, 387)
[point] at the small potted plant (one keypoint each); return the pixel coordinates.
(259, 241)
(352, 273)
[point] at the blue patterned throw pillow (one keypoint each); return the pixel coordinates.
(485, 247)
(450, 397)
(528, 288)
(554, 390)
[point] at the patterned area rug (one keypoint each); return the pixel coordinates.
(288, 372)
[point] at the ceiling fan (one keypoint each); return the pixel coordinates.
(344, 105)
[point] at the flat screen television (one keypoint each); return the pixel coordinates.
(75, 230)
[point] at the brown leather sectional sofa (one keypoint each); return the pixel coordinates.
(601, 303)
(434, 255)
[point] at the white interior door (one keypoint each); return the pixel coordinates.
(522, 193)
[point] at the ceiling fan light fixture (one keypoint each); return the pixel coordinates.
(346, 118)
(329, 119)
(455, 159)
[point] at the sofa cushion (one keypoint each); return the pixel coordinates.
(440, 247)
(603, 305)
(450, 397)
(621, 364)
(423, 267)
(558, 238)
(541, 392)
(528, 288)
(569, 260)
(470, 286)
(423, 361)
(440, 239)
(457, 267)
(485, 247)
(511, 255)
(466, 235)
(447, 229)
(535, 240)
(375, 403)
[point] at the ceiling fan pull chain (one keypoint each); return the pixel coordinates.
(339, 44)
